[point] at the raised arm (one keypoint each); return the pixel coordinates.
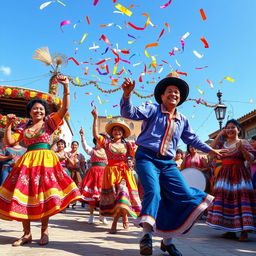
(8, 139)
(66, 95)
(217, 139)
(85, 146)
(128, 86)
(95, 130)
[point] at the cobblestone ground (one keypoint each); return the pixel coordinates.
(70, 234)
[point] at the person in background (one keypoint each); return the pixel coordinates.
(37, 187)
(92, 181)
(169, 206)
(119, 192)
(253, 163)
(234, 206)
(178, 158)
(1, 151)
(62, 155)
(194, 160)
(131, 165)
(76, 166)
(10, 154)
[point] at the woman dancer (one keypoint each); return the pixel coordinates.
(62, 155)
(37, 187)
(234, 206)
(76, 166)
(91, 184)
(119, 192)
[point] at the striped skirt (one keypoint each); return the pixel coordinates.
(234, 207)
(119, 191)
(36, 188)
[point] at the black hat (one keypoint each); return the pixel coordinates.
(172, 79)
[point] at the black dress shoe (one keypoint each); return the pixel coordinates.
(171, 249)
(146, 245)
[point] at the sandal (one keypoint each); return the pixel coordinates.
(23, 240)
(44, 239)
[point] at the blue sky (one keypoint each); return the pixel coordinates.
(229, 30)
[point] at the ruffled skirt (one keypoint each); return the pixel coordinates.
(119, 191)
(234, 207)
(91, 185)
(36, 188)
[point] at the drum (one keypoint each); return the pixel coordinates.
(196, 179)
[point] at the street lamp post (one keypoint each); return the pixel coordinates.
(220, 109)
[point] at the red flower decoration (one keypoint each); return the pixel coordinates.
(14, 93)
(49, 99)
(27, 95)
(39, 95)
(1, 90)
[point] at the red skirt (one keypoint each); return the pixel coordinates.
(36, 188)
(92, 182)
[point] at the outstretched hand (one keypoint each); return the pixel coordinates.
(216, 152)
(81, 131)
(10, 119)
(128, 86)
(94, 113)
(62, 79)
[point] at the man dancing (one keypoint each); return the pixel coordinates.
(169, 207)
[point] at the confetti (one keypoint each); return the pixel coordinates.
(94, 47)
(82, 40)
(71, 58)
(42, 6)
(206, 45)
(202, 67)
(135, 27)
(210, 83)
(77, 80)
(200, 91)
(166, 5)
(168, 27)
(229, 79)
(123, 10)
(198, 55)
(162, 32)
(178, 64)
(147, 46)
(107, 25)
(88, 20)
(202, 14)
(61, 3)
(63, 23)
(105, 40)
(95, 2)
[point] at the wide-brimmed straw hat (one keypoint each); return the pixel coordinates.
(118, 122)
(171, 79)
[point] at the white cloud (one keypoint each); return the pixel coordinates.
(5, 70)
